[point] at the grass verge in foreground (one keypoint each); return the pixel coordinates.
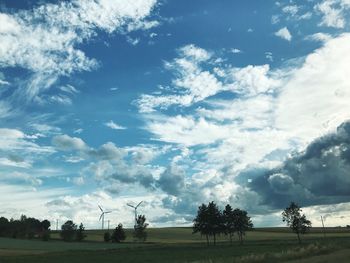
(254, 251)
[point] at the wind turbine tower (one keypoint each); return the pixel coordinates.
(135, 209)
(102, 216)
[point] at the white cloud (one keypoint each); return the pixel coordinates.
(333, 12)
(3, 82)
(67, 143)
(284, 34)
(111, 124)
(186, 130)
(273, 113)
(45, 40)
(318, 92)
(16, 140)
(291, 10)
(193, 83)
(319, 37)
(235, 50)
(69, 89)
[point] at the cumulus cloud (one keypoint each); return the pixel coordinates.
(317, 92)
(284, 34)
(172, 180)
(315, 176)
(67, 143)
(197, 78)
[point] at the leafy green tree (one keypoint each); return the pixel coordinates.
(295, 220)
(214, 221)
(229, 222)
(45, 230)
(80, 235)
(209, 221)
(200, 223)
(118, 234)
(140, 228)
(68, 231)
(4, 227)
(242, 223)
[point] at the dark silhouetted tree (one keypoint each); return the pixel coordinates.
(4, 227)
(209, 221)
(68, 231)
(229, 222)
(107, 237)
(295, 220)
(80, 235)
(45, 230)
(200, 223)
(140, 228)
(242, 223)
(118, 234)
(214, 220)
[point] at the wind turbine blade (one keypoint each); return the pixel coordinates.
(101, 217)
(130, 205)
(100, 208)
(108, 212)
(139, 204)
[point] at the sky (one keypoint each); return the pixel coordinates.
(175, 103)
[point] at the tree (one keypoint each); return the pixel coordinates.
(4, 227)
(214, 218)
(80, 235)
(242, 223)
(140, 228)
(229, 222)
(118, 234)
(45, 230)
(295, 220)
(107, 237)
(68, 231)
(209, 221)
(200, 224)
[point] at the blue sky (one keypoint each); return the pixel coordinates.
(175, 103)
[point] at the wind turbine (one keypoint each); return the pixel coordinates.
(102, 216)
(135, 208)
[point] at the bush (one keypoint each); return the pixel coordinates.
(107, 237)
(68, 231)
(45, 235)
(80, 236)
(118, 234)
(140, 228)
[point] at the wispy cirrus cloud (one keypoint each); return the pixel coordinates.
(46, 40)
(111, 124)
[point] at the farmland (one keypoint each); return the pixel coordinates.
(179, 245)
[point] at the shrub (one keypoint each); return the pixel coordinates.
(118, 234)
(107, 237)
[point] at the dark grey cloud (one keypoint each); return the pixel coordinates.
(172, 180)
(319, 175)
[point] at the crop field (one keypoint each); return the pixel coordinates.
(179, 245)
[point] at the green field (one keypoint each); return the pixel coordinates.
(179, 245)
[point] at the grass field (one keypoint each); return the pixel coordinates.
(179, 245)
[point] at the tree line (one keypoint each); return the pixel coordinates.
(25, 227)
(212, 222)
